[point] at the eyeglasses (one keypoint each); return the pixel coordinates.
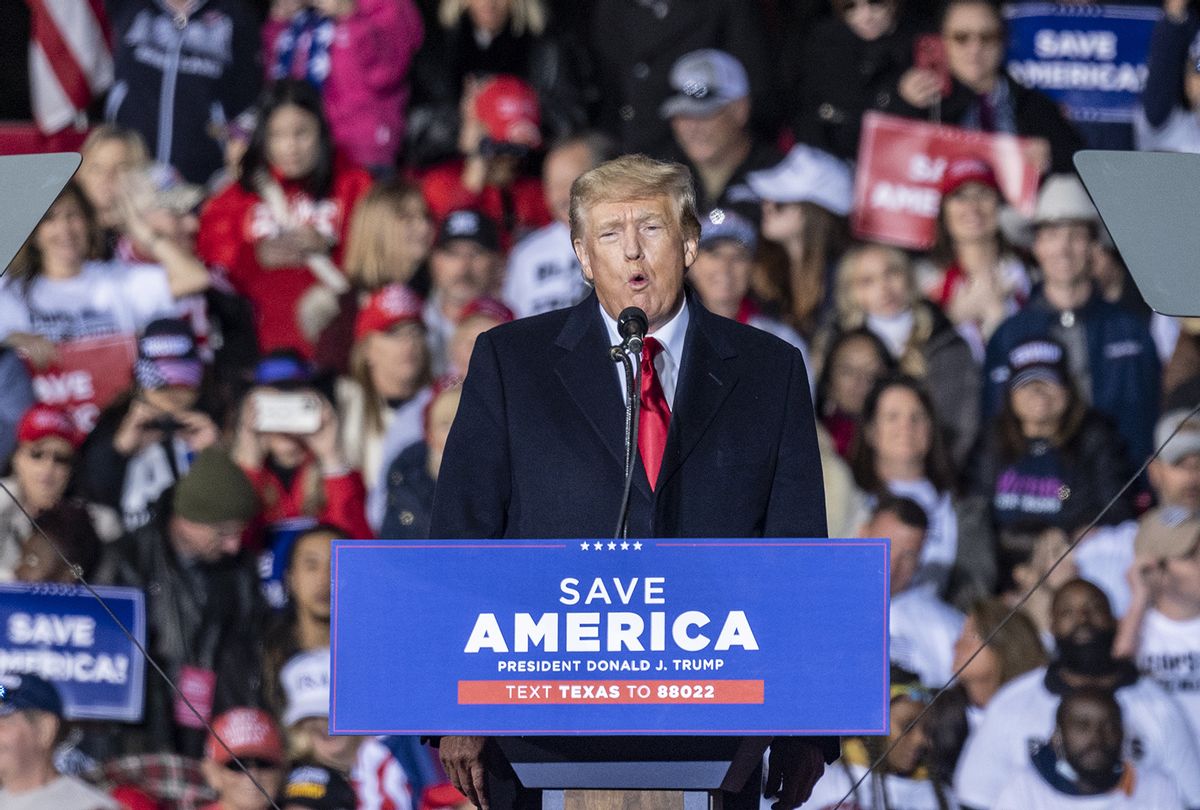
(963, 38)
(61, 459)
(252, 764)
(853, 5)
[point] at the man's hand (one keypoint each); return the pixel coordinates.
(462, 758)
(794, 767)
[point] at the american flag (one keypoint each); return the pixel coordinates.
(70, 60)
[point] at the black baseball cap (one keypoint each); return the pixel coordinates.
(472, 225)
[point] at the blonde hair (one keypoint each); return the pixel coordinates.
(373, 236)
(131, 139)
(635, 177)
(523, 15)
(851, 316)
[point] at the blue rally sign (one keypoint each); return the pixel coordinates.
(704, 637)
(63, 634)
(1089, 58)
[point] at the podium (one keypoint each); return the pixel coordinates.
(640, 675)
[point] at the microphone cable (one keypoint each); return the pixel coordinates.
(1017, 607)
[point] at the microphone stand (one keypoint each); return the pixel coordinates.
(633, 405)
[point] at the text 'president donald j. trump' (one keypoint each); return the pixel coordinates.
(727, 444)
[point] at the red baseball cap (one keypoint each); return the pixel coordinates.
(248, 733)
(387, 307)
(968, 170)
(489, 308)
(508, 108)
(43, 421)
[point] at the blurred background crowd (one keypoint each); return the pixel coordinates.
(240, 332)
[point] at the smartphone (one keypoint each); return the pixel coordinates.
(929, 53)
(166, 423)
(286, 412)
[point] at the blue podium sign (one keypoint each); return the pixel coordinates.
(63, 634)
(666, 636)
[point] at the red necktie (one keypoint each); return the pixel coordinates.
(655, 414)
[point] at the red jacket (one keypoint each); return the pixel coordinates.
(523, 211)
(345, 499)
(233, 221)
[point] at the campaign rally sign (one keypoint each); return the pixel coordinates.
(63, 634)
(1089, 58)
(87, 375)
(665, 636)
(900, 167)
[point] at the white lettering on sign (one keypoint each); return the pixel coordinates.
(41, 628)
(908, 199)
(925, 169)
(71, 386)
(1100, 46)
(651, 590)
(1121, 77)
(622, 631)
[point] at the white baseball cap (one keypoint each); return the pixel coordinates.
(807, 174)
(305, 680)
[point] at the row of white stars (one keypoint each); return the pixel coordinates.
(612, 546)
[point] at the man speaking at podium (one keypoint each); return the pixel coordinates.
(726, 447)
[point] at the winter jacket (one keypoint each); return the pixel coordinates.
(129, 484)
(343, 498)
(1064, 487)
(233, 221)
(547, 62)
(1122, 360)
(180, 77)
(1036, 116)
(367, 90)
(938, 355)
(518, 209)
(634, 45)
(204, 616)
(834, 77)
(1163, 92)
(409, 496)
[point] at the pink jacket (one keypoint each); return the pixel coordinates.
(366, 93)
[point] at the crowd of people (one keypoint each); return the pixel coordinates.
(299, 215)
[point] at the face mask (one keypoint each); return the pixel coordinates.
(1093, 657)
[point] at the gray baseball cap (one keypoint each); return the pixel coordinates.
(705, 81)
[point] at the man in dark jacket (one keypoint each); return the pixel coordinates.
(727, 444)
(710, 117)
(1110, 353)
(204, 612)
(184, 68)
(634, 45)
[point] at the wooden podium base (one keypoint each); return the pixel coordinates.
(631, 800)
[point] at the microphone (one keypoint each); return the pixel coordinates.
(631, 326)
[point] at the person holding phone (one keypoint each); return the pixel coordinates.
(145, 441)
(287, 444)
(982, 96)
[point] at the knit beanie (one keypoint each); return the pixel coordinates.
(215, 490)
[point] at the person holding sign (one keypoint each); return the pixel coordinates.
(728, 444)
(982, 96)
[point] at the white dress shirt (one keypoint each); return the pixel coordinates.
(671, 335)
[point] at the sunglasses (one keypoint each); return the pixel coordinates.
(61, 459)
(852, 5)
(252, 764)
(963, 38)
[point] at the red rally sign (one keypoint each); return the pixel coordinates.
(900, 167)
